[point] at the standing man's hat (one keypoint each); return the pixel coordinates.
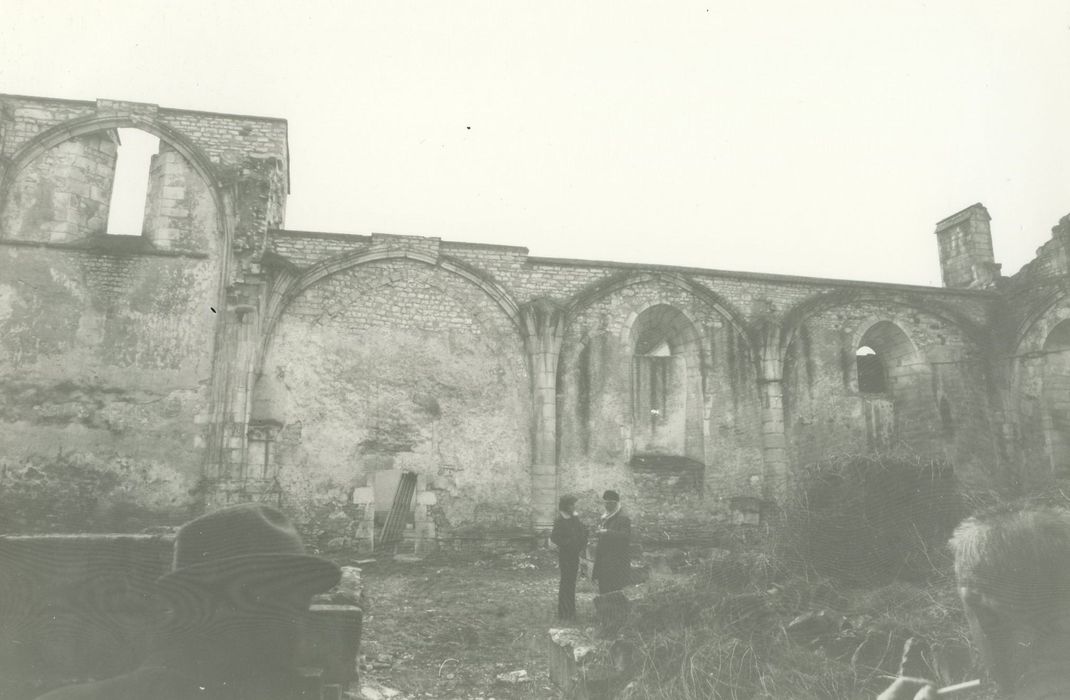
(246, 542)
(611, 496)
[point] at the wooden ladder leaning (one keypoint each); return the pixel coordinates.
(399, 512)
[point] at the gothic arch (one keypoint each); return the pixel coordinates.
(1051, 301)
(603, 288)
(50, 138)
(803, 311)
(56, 135)
(289, 285)
(665, 351)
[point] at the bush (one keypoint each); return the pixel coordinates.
(869, 519)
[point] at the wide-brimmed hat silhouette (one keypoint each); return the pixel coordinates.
(248, 542)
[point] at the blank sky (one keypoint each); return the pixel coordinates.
(821, 139)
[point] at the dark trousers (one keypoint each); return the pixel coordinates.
(566, 591)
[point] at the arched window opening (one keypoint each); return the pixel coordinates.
(130, 185)
(115, 186)
(890, 375)
(666, 415)
(659, 371)
(872, 377)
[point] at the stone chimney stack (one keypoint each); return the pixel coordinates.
(965, 240)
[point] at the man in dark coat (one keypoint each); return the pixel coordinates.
(611, 559)
(239, 588)
(570, 536)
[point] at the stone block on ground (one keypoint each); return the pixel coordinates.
(581, 665)
(371, 690)
(349, 591)
(514, 677)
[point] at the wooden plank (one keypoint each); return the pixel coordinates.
(399, 511)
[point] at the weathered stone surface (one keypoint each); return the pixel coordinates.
(370, 690)
(226, 358)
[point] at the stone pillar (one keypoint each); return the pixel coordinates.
(425, 523)
(364, 530)
(774, 440)
(232, 387)
(167, 206)
(543, 327)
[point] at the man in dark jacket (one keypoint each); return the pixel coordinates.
(570, 536)
(611, 559)
(238, 589)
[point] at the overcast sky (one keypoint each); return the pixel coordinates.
(810, 138)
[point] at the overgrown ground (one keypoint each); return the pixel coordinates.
(816, 604)
(447, 626)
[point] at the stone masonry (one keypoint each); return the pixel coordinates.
(223, 357)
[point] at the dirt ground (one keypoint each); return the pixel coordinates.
(448, 625)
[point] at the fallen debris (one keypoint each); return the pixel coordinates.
(371, 690)
(514, 677)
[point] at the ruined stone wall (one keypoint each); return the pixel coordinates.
(397, 365)
(723, 328)
(1034, 348)
(1039, 397)
(227, 140)
(936, 402)
(107, 342)
(192, 363)
(63, 195)
(604, 412)
(106, 354)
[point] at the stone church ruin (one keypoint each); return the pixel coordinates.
(215, 356)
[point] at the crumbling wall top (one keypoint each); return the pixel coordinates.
(226, 139)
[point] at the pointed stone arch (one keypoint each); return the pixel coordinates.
(603, 288)
(797, 316)
(290, 283)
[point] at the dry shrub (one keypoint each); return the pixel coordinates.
(870, 519)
